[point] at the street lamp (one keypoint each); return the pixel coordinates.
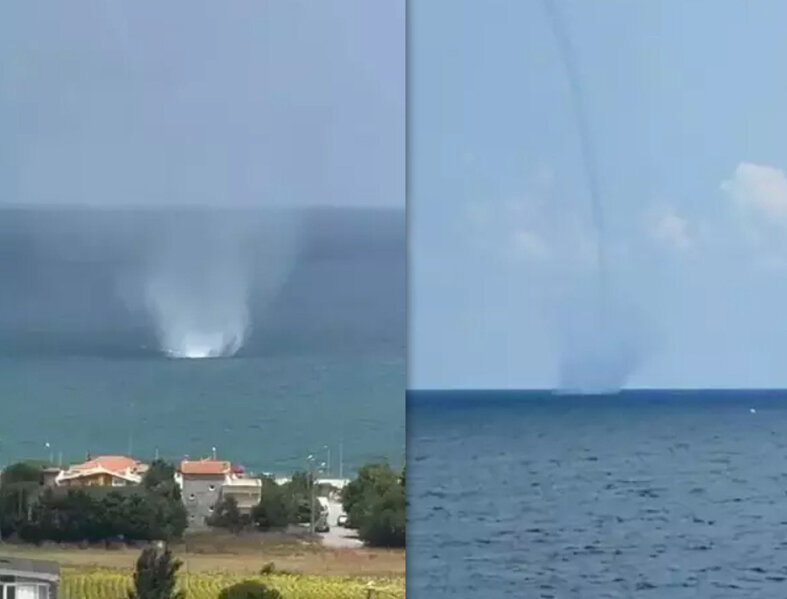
(312, 498)
(341, 457)
(328, 450)
(310, 461)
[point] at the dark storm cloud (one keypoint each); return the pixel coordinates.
(274, 103)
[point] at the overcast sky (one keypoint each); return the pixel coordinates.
(686, 103)
(110, 103)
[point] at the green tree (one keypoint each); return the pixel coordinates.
(160, 479)
(20, 485)
(227, 515)
(22, 472)
(372, 482)
(101, 514)
(385, 523)
(169, 519)
(273, 510)
(155, 576)
(36, 513)
(67, 515)
(249, 589)
(297, 494)
(300, 482)
(16, 501)
(375, 504)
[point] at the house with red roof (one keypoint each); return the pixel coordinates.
(103, 471)
(205, 482)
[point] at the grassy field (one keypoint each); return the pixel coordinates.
(301, 570)
(82, 583)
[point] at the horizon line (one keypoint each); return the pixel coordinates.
(194, 206)
(559, 391)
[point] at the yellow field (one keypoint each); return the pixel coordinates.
(98, 583)
(212, 562)
(239, 556)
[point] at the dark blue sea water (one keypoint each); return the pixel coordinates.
(644, 494)
(319, 294)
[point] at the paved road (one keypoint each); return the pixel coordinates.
(338, 536)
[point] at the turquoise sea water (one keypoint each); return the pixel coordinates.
(82, 367)
(268, 413)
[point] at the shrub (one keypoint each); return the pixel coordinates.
(268, 568)
(160, 479)
(375, 504)
(273, 510)
(284, 504)
(249, 589)
(227, 515)
(384, 525)
(94, 514)
(27, 472)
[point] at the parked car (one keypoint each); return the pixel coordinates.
(322, 526)
(342, 520)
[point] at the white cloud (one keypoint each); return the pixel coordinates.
(536, 229)
(667, 227)
(533, 226)
(758, 196)
(760, 190)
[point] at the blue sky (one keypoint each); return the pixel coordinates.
(108, 102)
(686, 103)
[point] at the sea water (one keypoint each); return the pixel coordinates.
(642, 494)
(321, 370)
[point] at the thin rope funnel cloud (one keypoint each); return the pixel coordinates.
(597, 356)
(585, 140)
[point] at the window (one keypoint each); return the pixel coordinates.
(24, 590)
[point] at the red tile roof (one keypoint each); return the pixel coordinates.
(204, 467)
(113, 463)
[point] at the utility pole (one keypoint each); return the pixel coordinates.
(328, 462)
(310, 460)
(341, 458)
